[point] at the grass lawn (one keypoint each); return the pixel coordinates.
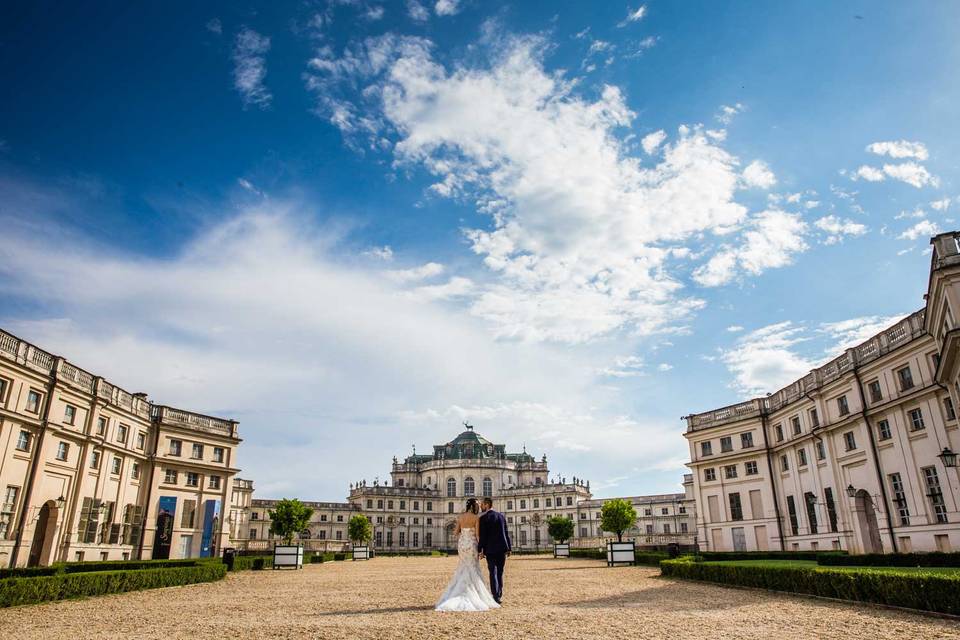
(811, 564)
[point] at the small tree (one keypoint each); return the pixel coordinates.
(617, 516)
(289, 518)
(560, 528)
(359, 529)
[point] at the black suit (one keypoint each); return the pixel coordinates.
(494, 543)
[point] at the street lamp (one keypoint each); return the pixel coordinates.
(948, 457)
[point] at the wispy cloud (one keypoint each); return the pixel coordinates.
(250, 68)
(634, 15)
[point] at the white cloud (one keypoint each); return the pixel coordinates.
(416, 274)
(624, 367)
(905, 214)
(728, 113)
(664, 366)
(770, 241)
(417, 11)
(922, 230)
(634, 15)
(899, 149)
(447, 7)
(374, 13)
(652, 141)
(384, 253)
(214, 26)
(849, 333)
(758, 174)
(870, 174)
(249, 186)
(836, 228)
(941, 205)
(455, 287)
(764, 360)
(734, 328)
(250, 68)
(912, 173)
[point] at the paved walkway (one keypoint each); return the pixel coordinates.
(393, 598)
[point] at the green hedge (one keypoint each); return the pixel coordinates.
(340, 556)
(19, 591)
(29, 572)
(925, 591)
(721, 556)
(934, 559)
(246, 563)
(99, 565)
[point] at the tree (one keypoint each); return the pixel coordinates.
(289, 518)
(359, 529)
(617, 516)
(560, 528)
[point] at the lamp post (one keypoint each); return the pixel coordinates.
(948, 457)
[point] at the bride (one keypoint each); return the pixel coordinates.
(467, 590)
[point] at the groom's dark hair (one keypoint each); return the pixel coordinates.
(487, 501)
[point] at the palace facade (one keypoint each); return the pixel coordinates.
(417, 508)
(89, 471)
(856, 455)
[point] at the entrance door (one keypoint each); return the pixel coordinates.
(739, 539)
(716, 536)
(43, 534)
(760, 533)
(867, 519)
(186, 546)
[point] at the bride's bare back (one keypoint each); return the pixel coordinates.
(468, 520)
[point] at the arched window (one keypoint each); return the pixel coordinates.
(468, 488)
(451, 487)
(487, 487)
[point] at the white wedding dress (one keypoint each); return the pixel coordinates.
(467, 590)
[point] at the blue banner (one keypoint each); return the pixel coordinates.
(211, 522)
(163, 534)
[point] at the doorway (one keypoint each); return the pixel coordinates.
(43, 534)
(739, 539)
(867, 519)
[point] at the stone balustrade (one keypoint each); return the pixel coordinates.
(194, 421)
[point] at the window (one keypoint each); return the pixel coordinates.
(214, 482)
(814, 418)
(135, 471)
(666, 528)
(510, 504)
(196, 451)
(416, 505)
(218, 454)
(94, 459)
(449, 507)
(801, 457)
(778, 431)
(23, 440)
(451, 487)
(340, 518)
(468, 486)
(122, 433)
(736, 508)
(849, 441)
(115, 465)
(3, 389)
(649, 529)
(842, 405)
(369, 504)
(193, 479)
(7, 510)
(821, 450)
(709, 475)
(935, 494)
(876, 395)
(792, 510)
(175, 447)
(795, 423)
(706, 448)
(400, 482)
(101, 426)
(170, 476)
(70, 414)
(905, 378)
(390, 504)
(948, 409)
(726, 444)
(899, 498)
(549, 502)
(429, 506)
(188, 515)
(811, 502)
(323, 517)
(831, 508)
(63, 450)
(523, 504)
(536, 503)
(682, 509)
(916, 420)
(730, 471)
(33, 401)
(569, 501)
(750, 468)
(379, 504)
(746, 440)
(784, 463)
(664, 511)
(487, 487)
(683, 527)
(648, 512)
(883, 430)
(141, 440)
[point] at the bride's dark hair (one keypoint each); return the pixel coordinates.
(472, 506)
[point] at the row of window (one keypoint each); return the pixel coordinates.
(116, 465)
(726, 444)
(415, 504)
(175, 449)
(172, 476)
(729, 473)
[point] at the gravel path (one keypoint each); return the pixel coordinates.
(393, 598)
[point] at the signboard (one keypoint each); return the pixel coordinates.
(166, 510)
(211, 524)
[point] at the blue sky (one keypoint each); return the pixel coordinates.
(353, 225)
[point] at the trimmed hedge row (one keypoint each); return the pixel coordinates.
(720, 556)
(934, 559)
(19, 591)
(925, 591)
(60, 568)
(246, 563)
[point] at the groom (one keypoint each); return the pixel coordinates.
(494, 545)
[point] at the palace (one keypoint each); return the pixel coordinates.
(856, 455)
(416, 509)
(89, 471)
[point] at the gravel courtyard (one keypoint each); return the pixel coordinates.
(393, 598)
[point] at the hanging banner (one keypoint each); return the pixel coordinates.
(211, 524)
(164, 532)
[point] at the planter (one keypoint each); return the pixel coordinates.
(288, 555)
(621, 553)
(561, 550)
(361, 553)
